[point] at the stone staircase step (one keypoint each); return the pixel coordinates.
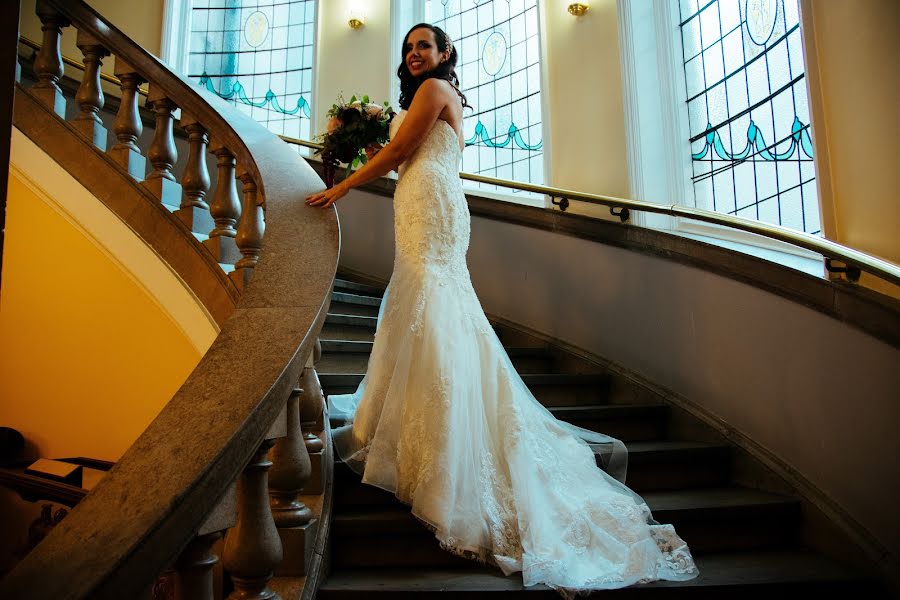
(344, 332)
(354, 304)
(348, 328)
(657, 465)
(627, 422)
(359, 299)
(733, 575)
(351, 287)
(342, 362)
(345, 346)
(361, 321)
(352, 356)
(348, 308)
(531, 360)
(709, 520)
(686, 466)
(551, 389)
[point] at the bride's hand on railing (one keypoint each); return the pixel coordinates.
(328, 197)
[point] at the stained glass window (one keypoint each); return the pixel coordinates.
(258, 54)
(499, 70)
(748, 110)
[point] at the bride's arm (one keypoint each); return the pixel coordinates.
(430, 100)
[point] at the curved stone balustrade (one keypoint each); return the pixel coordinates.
(132, 527)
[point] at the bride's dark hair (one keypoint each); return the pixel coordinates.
(446, 70)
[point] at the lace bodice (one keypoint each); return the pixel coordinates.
(431, 216)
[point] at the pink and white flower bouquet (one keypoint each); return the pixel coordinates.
(352, 127)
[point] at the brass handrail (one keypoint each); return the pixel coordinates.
(854, 260)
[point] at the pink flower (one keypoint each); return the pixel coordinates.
(334, 123)
(370, 110)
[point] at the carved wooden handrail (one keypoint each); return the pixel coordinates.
(133, 526)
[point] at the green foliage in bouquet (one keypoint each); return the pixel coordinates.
(352, 126)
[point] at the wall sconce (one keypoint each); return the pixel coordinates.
(356, 18)
(578, 9)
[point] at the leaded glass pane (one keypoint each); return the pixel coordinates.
(499, 69)
(258, 55)
(750, 136)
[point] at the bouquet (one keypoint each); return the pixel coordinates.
(352, 127)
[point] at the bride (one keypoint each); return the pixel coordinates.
(443, 420)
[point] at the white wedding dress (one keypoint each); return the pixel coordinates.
(443, 420)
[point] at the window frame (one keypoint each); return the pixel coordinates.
(663, 78)
(175, 49)
(176, 34)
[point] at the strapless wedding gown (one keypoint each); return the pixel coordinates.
(443, 420)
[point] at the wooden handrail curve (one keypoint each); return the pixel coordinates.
(149, 506)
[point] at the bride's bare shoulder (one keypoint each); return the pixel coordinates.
(438, 86)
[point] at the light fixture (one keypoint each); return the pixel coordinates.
(356, 17)
(578, 9)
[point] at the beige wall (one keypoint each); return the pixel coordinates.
(584, 100)
(852, 48)
(352, 62)
(139, 19)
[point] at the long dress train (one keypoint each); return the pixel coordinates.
(443, 420)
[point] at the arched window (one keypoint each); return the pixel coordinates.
(748, 110)
(258, 55)
(500, 73)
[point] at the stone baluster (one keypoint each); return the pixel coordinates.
(48, 64)
(90, 94)
(252, 547)
(225, 208)
(162, 155)
(194, 211)
(288, 477)
(195, 565)
(312, 407)
(312, 404)
(249, 232)
(128, 126)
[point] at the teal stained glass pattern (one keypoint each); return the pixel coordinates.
(257, 54)
(237, 91)
(748, 110)
(513, 135)
(756, 145)
(499, 69)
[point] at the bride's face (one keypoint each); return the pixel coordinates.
(421, 52)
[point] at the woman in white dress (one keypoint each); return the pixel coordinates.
(443, 420)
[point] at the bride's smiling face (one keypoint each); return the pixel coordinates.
(421, 52)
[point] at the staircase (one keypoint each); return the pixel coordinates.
(746, 541)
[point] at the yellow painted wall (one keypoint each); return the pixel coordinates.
(87, 358)
(855, 88)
